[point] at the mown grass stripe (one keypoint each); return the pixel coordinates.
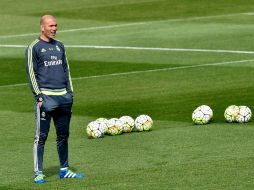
(147, 71)
(126, 25)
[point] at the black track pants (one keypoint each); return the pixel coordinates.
(58, 108)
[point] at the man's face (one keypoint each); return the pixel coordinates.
(49, 27)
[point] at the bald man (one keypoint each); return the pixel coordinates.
(50, 81)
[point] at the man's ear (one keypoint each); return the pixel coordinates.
(42, 28)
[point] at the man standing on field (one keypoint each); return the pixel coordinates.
(49, 77)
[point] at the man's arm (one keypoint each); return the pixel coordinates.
(66, 67)
(31, 69)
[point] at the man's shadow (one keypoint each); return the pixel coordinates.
(54, 170)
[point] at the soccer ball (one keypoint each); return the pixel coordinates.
(115, 126)
(113, 130)
(143, 123)
(202, 115)
(104, 124)
(95, 129)
(244, 114)
(128, 123)
(230, 113)
(102, 119)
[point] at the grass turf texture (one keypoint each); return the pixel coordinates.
(176, 154)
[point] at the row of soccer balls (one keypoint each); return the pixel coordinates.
(117, 126)
(240, 114)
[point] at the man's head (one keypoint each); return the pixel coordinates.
(48, 27)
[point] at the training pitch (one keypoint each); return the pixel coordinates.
(161, 58)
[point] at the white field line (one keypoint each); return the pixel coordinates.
(146, 71)
(142, 48)
(249, 13)
(160, 49)
(13, 46)
(126, 25)
(165, 69)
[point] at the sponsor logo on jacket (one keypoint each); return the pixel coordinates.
(54, 61)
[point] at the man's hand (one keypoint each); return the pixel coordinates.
(39, 100)
(39, 104)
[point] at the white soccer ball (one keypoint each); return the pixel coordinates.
(115, 126)
(128, 124)
(102, 119)
(244, 114)
(143, 123)
(95, 129)
(230, 113)
(113, 130)
(104, 124)
(202, 115)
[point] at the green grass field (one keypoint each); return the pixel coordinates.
(162, 58)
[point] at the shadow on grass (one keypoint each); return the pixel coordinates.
(54, 170)
(51, 171)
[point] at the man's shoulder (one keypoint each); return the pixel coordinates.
(59, 43)
(33, 46)
(34, 43)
